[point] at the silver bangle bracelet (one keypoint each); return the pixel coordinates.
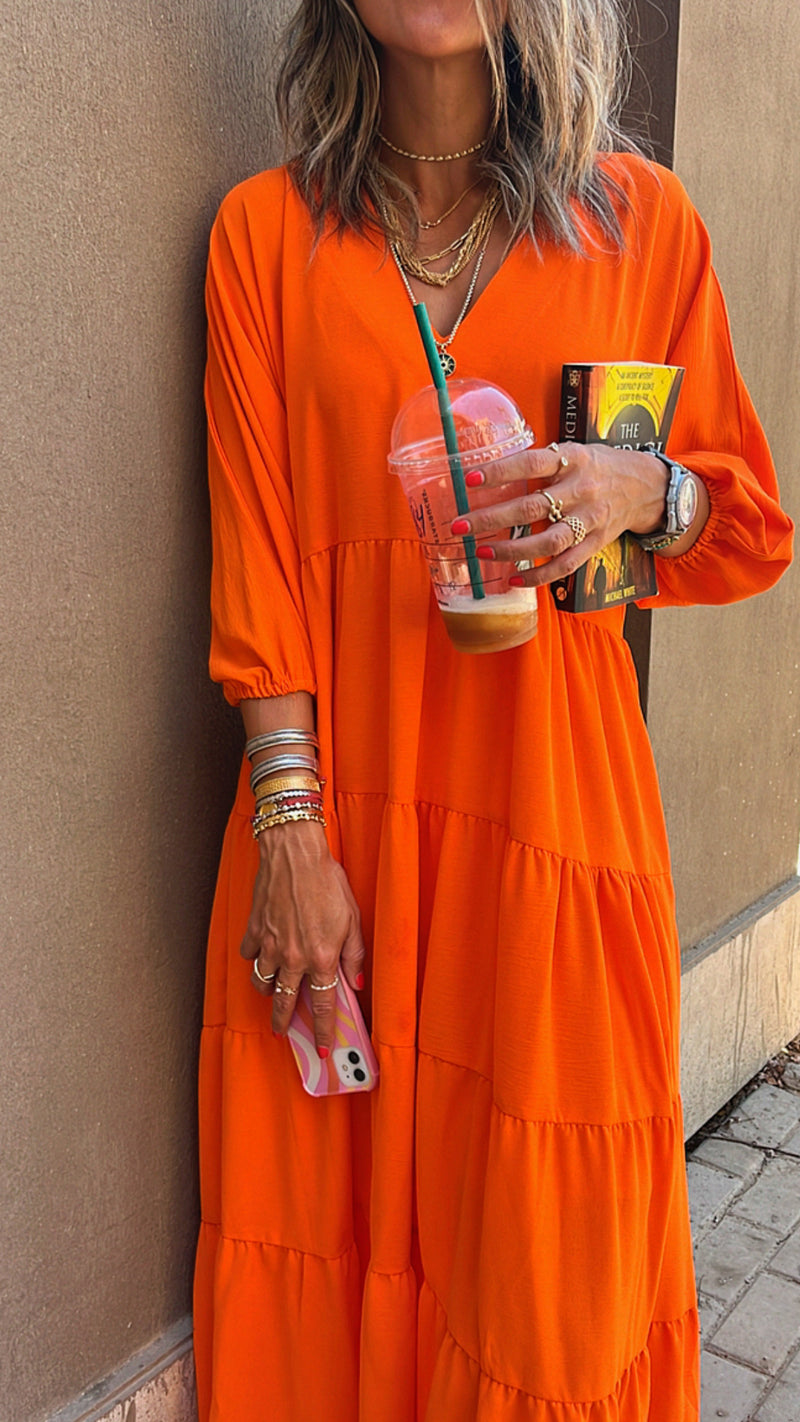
(288, 737)
(276, 763)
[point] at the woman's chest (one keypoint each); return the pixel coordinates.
(352, 356)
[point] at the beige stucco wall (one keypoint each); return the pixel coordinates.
(123, 124)
(725, 683)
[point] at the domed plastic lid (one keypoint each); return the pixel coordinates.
(487, 422)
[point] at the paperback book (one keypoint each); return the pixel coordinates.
(628, 405)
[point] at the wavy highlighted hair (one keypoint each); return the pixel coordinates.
(559, 72)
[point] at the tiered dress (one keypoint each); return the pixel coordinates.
(499, 1233)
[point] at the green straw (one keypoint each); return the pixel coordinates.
(450, 441)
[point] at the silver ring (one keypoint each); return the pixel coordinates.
(324, 987)
(261, 978)
(556, 513)
(578, 528)
(563, 461)
(283, 988)
(554, 447)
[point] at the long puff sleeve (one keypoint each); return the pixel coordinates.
(260, 644)
(747, 542)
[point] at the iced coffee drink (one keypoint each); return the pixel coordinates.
(481, 612)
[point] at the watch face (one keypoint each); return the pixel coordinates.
(686, 502)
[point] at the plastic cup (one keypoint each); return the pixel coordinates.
(489, 428)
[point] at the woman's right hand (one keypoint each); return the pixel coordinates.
(304, 920)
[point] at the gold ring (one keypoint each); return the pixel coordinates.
(324, 987)
(563, 461)
(261, 978)
(578, 529)
(282, 987)
(555, 515)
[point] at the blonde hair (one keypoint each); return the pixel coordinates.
(559, 71)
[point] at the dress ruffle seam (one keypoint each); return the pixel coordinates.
(411, 541)
(554, 1401)
(637, 874)
(284, 1248)
(534, 1121)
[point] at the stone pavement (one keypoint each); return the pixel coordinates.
(744, 1194)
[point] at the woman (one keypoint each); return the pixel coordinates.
(500, 1229)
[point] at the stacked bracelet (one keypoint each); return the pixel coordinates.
(288, 737)
(287, 786)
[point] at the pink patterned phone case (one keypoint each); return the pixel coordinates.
(351, 1065)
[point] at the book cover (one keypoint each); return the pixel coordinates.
(629, 405)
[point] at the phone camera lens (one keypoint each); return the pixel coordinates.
(359, 1074)
(353, 1057)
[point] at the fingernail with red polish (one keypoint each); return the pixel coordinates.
(515, 581)
(323, 1052)
(461, 525)
(474, 479)
(485, 551)
(360, 980)
(276, 1033)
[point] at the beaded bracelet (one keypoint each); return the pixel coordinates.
(289, 799)
(289, 737)
(266, 793)
(259, 823)
(267, 810)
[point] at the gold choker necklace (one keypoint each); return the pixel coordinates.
(433, 157)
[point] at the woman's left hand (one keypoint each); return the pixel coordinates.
(598, 490)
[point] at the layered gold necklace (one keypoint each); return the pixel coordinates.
(463, 247)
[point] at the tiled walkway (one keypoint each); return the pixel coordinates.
(744, 1192)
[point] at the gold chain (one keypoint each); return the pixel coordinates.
(433, 157)
(437, 222)
(476, 236)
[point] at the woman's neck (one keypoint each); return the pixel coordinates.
(434, 106)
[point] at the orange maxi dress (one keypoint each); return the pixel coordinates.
(499, 1233)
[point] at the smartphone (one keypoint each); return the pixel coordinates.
(351, 1065)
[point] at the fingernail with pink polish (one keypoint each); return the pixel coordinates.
(360, 980)
(460, 525)
(323, 1052)
(474, 479)
(485, 551)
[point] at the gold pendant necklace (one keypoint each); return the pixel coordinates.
(446, 360)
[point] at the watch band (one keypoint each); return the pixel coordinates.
(674, 529)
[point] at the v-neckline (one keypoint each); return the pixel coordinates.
(476, 300)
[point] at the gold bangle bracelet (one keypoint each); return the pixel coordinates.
(287, 782)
